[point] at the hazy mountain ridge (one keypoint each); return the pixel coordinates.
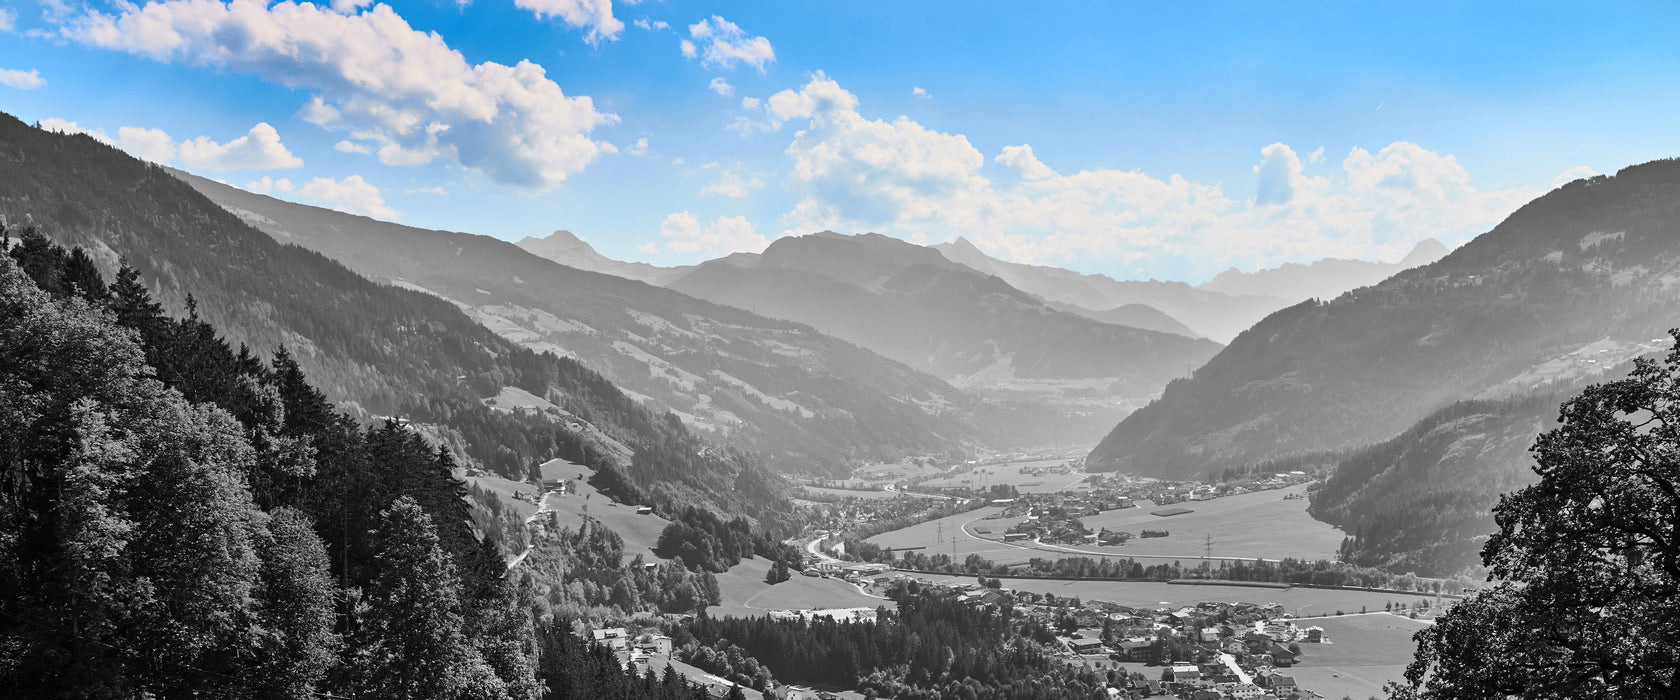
(1141, 316)
(910, 303)
(1592, 260)
(568, 249)
(803, 400)
(1321, 279)
(1207, 313)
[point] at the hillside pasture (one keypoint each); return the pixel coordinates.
(745, 594)
(640, 532)
(505, 488)
(1364, 653)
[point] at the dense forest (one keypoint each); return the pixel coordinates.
(1587, 262)
(1422, 501)
(209, 525)
(373, 349)
(933, 647)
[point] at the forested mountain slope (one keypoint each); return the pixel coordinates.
(910, 303)
(1422, 502)
(178, 519)
(389, 351)
(1593, 264)
(802, 399)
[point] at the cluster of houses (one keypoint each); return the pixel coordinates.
(1215, 650)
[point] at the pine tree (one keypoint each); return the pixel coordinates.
(410, 643)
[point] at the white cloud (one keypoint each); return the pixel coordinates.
(919, 92)
(652, 25)
(1021, 160)
(268, 185)
(853, 173)
(349, 7)
(259, 149)
(377, 77)
(1316, 157)
(22, 80)
(749, 103)
(683, 233)
(640, 149)
(1573, 174)
(348, 146)
(594, 14)
(147, 144)
(726, 45)
(69, 127)
(436, 190)
(648, 248)
(731, 183)
(351, 195)
(8, 19)
(721, 87)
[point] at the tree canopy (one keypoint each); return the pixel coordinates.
(1587, 561)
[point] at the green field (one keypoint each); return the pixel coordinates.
(1296, 601)
(745, 594)
(985, 476)
(640, 532)
(505, 488)
(851, 493)
(1365, 652)
(1249, 526)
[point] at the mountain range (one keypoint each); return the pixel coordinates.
(803, 400)
(910, 303)
(1320, 279)
(1577, 281)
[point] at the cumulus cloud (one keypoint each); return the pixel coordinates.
(722, 44)
(652, 25)
(434, 190)
(919, 92)
(819, 95)
(640, 149)
(352, 195)
(1021, 160)
(348, 146)
(731, 183)
(594, 14)
(1573, 174)
(269, 185)
(8, 19)
(683, 233)
(147, 144)
(259, 149)
(721, 87)
(854, 173)
(373, 75)
(22, 80)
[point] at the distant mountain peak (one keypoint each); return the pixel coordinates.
(1426, 251)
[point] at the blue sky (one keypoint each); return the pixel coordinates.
(1135, 139)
